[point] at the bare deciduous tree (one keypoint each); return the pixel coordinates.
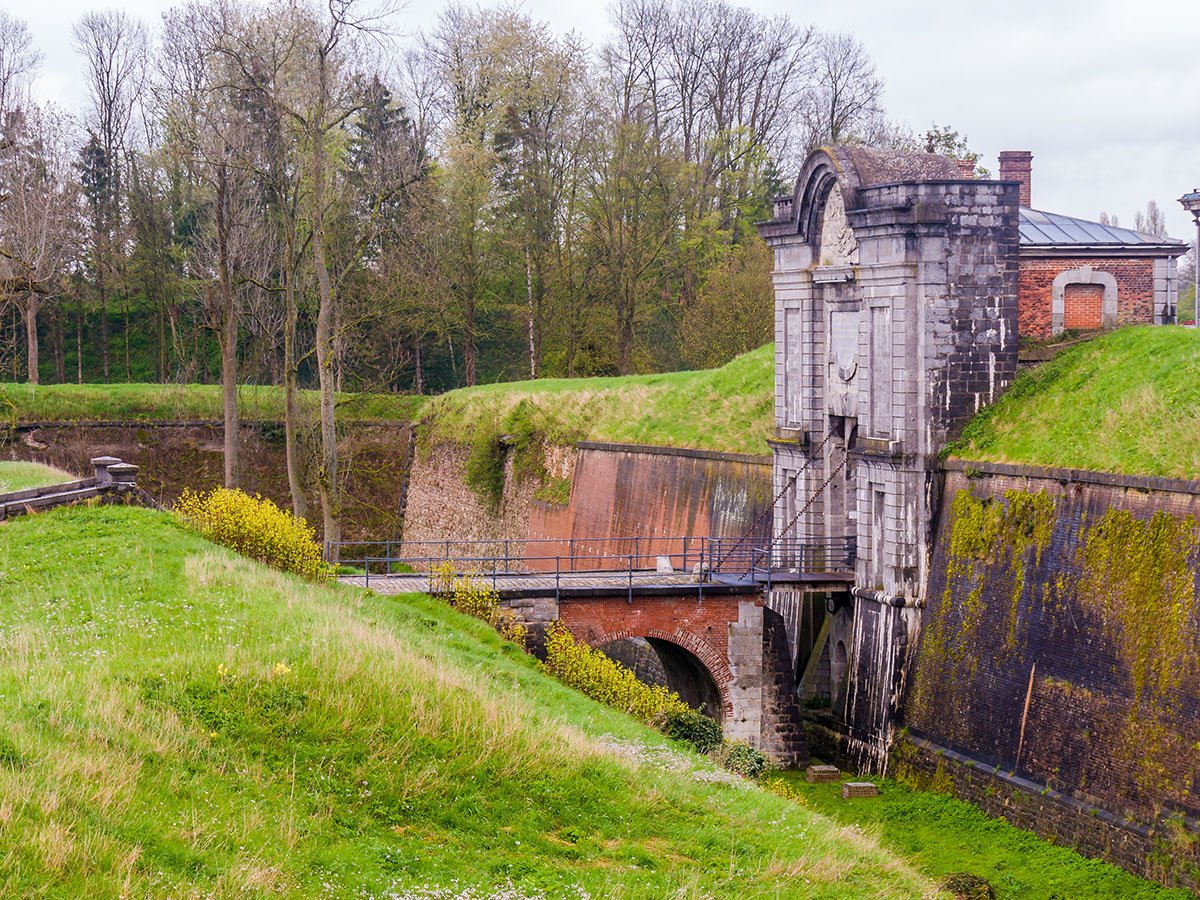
(847, 94)
(37, 219)
(113, 45)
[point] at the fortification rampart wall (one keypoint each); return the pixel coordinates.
(178, 455)
(617, 491)
(1057, 676)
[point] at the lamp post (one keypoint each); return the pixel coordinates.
(1191, 202)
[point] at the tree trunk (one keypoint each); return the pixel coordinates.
(79, 341)
(125, 310)
(291, 411)
(625, 337)
(228, 332)
(328, 482)
(103, 327)
(31, 335)
(57, 342)
(419, 372)
(469, 342)
(531, 317)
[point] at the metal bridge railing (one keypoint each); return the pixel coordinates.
(640, 561)
(540, 554)
(800, 557)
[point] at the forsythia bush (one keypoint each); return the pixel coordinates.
(254, 527)
(475, 598)
(591, 672)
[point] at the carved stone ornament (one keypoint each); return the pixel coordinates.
(837, 246)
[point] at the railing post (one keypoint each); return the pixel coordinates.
(571, 550)
(557, 578)
(631, 578)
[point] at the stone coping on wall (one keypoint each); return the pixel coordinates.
(1077, 476)
(1042, 791)
(184, 423)
(651, 450)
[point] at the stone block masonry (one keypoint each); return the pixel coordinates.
(896, 321)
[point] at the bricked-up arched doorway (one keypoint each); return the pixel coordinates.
(1083, 306)
(1083, 298)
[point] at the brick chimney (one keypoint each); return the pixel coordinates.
(966, 168)
(1017, 165)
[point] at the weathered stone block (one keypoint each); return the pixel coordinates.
(853, 789)
(822, 774)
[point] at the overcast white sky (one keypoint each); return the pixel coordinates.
(1106, 93)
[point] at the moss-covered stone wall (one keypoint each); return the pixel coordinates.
(1061, 641)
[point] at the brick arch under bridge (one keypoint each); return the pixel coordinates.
(722, 633)
(702, 654)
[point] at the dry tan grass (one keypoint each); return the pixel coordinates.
(55, 842)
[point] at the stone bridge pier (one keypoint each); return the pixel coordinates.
(723, 651)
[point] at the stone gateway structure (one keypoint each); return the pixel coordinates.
(896, 285)
(1037, 632)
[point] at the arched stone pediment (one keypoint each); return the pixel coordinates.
(851, 168)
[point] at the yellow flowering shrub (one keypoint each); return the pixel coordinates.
(475, 598)
(577, 665)
(254, 527)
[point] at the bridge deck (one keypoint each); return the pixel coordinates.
(582, 584)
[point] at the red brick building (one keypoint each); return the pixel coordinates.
(1082, 275)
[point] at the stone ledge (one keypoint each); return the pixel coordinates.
(1080, 476)
(651, 450)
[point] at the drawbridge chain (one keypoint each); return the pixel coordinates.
(811, 500)
(770, 511)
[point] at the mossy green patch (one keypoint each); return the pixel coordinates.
(1140, 577)
(989, 540)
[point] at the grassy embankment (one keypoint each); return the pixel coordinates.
(719, 409)
(729, 409)
(20, 476)
(1128, 401)
(167, 402)
(178, 721)
(941, 836)
(1125, 402)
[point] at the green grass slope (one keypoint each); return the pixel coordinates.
(943, 836)
(166, 402)
(730, 408)
(727, 409)
(20, 476)
(176, 721)
(1126, 402)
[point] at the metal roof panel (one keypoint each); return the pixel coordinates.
(1039, 228)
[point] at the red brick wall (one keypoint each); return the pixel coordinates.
(1135, 290)
(700, 627)
(621, 491)
(1083, 305)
